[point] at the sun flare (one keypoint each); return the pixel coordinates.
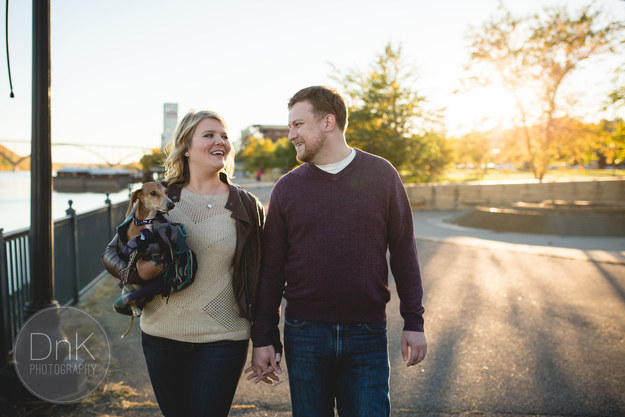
(481, 109)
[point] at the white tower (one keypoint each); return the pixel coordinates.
(170, 119)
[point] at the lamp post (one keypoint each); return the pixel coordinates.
(41, 227)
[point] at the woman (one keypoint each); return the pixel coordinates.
(195, 343)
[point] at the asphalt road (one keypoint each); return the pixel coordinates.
(516, 334)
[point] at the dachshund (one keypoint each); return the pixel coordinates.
(144, 206)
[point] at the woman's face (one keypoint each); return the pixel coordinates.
(209, 147)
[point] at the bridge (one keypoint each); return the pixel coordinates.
(109, 154)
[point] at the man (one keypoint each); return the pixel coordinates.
(329, 225)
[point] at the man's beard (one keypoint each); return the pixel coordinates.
(313, 150)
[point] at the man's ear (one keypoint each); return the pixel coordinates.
(329, 122)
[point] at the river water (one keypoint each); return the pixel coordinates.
(15, 201)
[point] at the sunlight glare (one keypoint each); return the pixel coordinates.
(481, 109)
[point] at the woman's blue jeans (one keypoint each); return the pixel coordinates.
(343, 362)
(194, 379)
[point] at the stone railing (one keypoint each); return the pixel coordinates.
(601, 191)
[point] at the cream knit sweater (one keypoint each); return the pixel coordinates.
(207, 310)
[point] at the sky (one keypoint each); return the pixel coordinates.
(116, 62)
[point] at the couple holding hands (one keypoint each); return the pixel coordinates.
(322, 246)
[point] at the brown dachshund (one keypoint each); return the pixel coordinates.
(147, 202)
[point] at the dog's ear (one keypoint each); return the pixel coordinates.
(133, 197)
(135, 194)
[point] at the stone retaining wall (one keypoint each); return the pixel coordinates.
(606, 191)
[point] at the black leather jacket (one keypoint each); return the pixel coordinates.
(249, 214)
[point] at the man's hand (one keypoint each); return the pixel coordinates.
(265, 365)
(413, 347)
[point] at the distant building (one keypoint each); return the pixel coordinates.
(273, 132)
(170, 119)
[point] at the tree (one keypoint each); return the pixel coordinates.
(428, 157)
(387, 117)
(531, 57)
(152, 162)
(264, 153)
(617, 97)
(474, 148)
(244, 141)
(611, 148)
(258, 153)
(284, 155)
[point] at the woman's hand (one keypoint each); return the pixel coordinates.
(148, 269)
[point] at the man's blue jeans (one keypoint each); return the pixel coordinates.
(194, 379)
(346, 362)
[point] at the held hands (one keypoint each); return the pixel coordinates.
(265, 365)
(266, 362)
(413, 347)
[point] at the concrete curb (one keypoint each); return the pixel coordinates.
(432, 226)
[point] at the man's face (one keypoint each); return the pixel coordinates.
(305, 132)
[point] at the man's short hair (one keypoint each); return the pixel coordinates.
(324, 100)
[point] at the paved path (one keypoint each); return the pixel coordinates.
(513, 333)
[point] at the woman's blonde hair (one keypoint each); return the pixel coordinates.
(176, 164)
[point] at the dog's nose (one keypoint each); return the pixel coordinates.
(170, 205)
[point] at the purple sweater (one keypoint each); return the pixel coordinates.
(326, 236)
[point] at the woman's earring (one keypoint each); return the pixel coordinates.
(186, 154)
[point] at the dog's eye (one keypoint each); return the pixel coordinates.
(153, 193)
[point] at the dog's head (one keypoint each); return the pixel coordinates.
(151, 198)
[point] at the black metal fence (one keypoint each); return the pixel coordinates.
(79, 240)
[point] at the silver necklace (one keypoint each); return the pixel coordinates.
(210, 202)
